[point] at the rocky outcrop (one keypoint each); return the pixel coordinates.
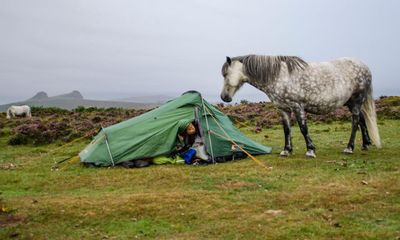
(39, 96)
(72, 95)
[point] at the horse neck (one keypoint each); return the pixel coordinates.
(269, 86)
(258, 83)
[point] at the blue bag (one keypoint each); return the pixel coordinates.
(188, 155)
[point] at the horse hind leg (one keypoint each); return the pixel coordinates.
(354, 105)
(366, 141)
(287, 150)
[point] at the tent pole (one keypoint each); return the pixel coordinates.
(108, 147)
(201, 133)
(208, 131)
(237, 145)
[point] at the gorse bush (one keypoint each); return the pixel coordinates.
(40, 111)
(38, 132)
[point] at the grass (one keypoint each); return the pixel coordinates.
(334, 196)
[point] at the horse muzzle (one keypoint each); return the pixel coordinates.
(226, 98)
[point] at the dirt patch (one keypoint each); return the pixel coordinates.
(235, 185)
(8, 166)
(8, 216)
(7, 220)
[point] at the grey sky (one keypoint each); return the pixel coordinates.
(112, 49)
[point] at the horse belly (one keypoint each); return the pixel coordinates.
(327, 100)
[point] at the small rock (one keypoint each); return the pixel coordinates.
(364, 182)
(274, 212)
(336, 224)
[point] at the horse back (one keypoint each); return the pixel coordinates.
(343, 74)
(323, 86)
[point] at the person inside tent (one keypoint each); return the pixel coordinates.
(190, 145)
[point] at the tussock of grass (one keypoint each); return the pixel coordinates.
(335, 196)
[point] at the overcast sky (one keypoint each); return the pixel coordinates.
(113, 49)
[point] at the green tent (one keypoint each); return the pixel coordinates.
(155, 133)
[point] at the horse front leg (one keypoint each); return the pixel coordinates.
(302, 122)
(285, 116)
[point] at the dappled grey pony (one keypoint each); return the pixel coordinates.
(295, 86)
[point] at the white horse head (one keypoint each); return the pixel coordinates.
(24, 110)
(234, 78)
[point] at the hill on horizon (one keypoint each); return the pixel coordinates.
(75, 99)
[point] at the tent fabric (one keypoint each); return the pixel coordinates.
(155, 133)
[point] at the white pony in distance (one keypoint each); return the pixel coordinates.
(24, 110)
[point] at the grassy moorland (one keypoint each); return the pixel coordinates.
(334, 196)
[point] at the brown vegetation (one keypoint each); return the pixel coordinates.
(52, 124)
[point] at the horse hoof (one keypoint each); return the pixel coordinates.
(310, 154)
(364, 148)
(284, 153)
(347, 151)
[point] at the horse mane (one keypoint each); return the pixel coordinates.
(267, 68)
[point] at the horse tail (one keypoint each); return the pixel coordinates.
(368, 109)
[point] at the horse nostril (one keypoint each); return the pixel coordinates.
(225, 98)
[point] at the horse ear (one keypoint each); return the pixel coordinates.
(228, 60)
